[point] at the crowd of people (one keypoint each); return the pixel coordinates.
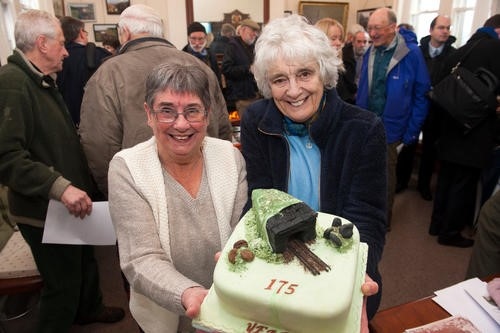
(330, 117)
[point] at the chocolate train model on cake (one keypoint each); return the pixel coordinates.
(287, 268)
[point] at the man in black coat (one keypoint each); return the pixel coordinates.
(436, 47)
(463, 154)
(238, 57)
(78, 67)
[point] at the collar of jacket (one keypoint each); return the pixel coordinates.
(138, 41)
(424, 43)
(272, 120)
(45, 81)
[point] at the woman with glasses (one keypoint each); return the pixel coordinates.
(174, 201)
(304, 140)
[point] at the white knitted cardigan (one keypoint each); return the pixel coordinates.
(146, 170)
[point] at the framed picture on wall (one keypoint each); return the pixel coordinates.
(315, 10)
(58, 8)
(101, 30)
(82, 11)
(116, 7)
(363, 15)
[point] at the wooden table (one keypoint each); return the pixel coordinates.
(408, 315)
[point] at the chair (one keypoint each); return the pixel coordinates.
(18, 275)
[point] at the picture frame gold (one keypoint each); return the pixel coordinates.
(58, 8)
(82, 11)
(116, 7)
(315, 10)
(100, 30)
(363, 15)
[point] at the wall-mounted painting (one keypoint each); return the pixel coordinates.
(363, 15)
(82, 11)
(101, 30)
(315, 10)
(58, 8)
(116, 7)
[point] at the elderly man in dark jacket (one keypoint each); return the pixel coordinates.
(41, 159)
(463, 154)
(238, 57)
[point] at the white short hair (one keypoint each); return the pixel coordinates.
(293, 38)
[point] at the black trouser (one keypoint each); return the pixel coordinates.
(455, 200)
(70, 281)
(404, 165)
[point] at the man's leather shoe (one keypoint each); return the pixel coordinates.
(108, 314)
(456, 240)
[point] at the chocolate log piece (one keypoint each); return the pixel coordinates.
(295, 221)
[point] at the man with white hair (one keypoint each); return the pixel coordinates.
(112, 113)
(352, 53)
(40, 160)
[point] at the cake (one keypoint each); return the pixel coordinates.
(260, 285)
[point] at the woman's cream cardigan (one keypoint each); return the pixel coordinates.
(223, 172)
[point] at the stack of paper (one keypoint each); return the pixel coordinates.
(468, 299)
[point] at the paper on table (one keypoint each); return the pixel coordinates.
(453, 324)
(63, 228)
(480, 294)
(457, 302)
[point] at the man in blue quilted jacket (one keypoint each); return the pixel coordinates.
(393, 84)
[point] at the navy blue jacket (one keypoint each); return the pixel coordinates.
(75, 74)
(353, 165)
(407, 84)
(236, 63)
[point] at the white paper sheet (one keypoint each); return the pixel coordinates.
(480, 294)
(63, 228)
(458, 302)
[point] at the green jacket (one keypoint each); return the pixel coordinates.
(40, 152)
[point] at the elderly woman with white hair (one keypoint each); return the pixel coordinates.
(304, 140)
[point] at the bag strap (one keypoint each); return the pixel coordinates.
(90, 55)
(465, 55)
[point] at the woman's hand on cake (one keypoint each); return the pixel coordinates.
(192, 299)
(368, 288)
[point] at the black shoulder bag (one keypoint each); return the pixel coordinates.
(469, 97)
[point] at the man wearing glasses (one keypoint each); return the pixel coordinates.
(393, 84)
(197, 46)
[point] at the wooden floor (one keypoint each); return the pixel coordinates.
(413, 266)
